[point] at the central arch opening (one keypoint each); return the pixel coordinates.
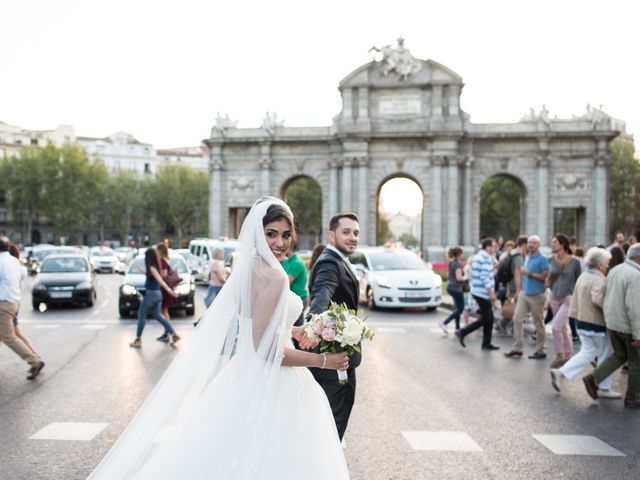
(502, 201)
(304, 196)
(399, 212)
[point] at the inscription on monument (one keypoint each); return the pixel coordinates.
(406, 104)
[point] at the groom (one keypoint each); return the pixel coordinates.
(332, 280)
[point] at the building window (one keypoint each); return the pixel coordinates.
(18, 141)
(147, 168)
(34, 141)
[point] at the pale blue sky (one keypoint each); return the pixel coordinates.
(161, 70)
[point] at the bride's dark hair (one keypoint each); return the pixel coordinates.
(277, 212)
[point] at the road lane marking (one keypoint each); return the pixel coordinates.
(81, 432)
(441, 441)
(92, 327)
(104, 303)
(48, 326)
(438, 331)
(577, 445)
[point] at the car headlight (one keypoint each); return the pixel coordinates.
(83, 286)
(39, 287)
(129, 290)
(183, 289)
(383, 282)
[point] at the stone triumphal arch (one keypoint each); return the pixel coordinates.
(401, 116)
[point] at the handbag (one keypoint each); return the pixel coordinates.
(172, 279)
(508, 309)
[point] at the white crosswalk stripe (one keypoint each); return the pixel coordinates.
(441, 441)
(82, 432)
(577, 445)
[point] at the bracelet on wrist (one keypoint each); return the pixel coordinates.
(324, 360)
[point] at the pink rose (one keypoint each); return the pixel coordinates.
(328, 334)
(317, 328)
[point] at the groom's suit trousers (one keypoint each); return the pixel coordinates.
(341, 397)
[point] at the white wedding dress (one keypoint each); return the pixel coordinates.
(226, 409)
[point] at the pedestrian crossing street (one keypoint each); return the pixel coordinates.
(433, 441)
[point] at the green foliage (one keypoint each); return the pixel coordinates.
(383, 231)
(409, 240)
(624, 190)
(500, 207)
(304, 197)
(76, 194)
(178, 192)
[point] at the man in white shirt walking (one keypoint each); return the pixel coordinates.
(10, 274)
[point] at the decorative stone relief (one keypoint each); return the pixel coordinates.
(397, 60)
(578, 182)
(243, 184)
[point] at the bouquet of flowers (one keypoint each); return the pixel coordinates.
(339, 330)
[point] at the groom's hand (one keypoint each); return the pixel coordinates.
(307, 343)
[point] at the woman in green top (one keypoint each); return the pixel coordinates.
(297, 272)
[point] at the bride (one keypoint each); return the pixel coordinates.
(232, 405)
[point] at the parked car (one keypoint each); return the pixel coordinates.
(395, 278)
(132, 288)
(105, 259)
(202, 249)
(64, 279)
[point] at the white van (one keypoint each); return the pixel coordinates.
(201, 250)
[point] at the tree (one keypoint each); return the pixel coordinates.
(500, 207)
(624, 190)
(26, 182)
(178, 191)
(409, 240)
(76, 192)
(383, 231)
(304, 197)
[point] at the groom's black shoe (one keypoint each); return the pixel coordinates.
(460, 338)
(490, 347)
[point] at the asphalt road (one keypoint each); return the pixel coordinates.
(425, 407)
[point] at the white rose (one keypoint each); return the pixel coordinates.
(352, 332)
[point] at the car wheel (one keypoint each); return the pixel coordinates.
(371, 302)
(431, 309)
(93, 299)
(190, 311)
(35, 304)
(124, 313)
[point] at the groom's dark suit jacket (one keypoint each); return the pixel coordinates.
(332, 280)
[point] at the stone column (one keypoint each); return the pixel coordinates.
(333, 187)
(436, 201)
(543, 199)
(363, 105)
(467, 210)
(347, 186)
(216, 209)
(453, 203)
(436, 101)
(454, 94)
(600, 199)
(265, 168)
(363, 204)
(347, 105)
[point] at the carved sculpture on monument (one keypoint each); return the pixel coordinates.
(270, 123)
(222, 123)
(397, 60)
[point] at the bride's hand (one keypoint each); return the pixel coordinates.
(303, 340)
(337, 361)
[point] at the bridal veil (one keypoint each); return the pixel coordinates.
(239, 345)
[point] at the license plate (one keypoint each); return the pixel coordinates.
(61, 294)
(415, 294)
